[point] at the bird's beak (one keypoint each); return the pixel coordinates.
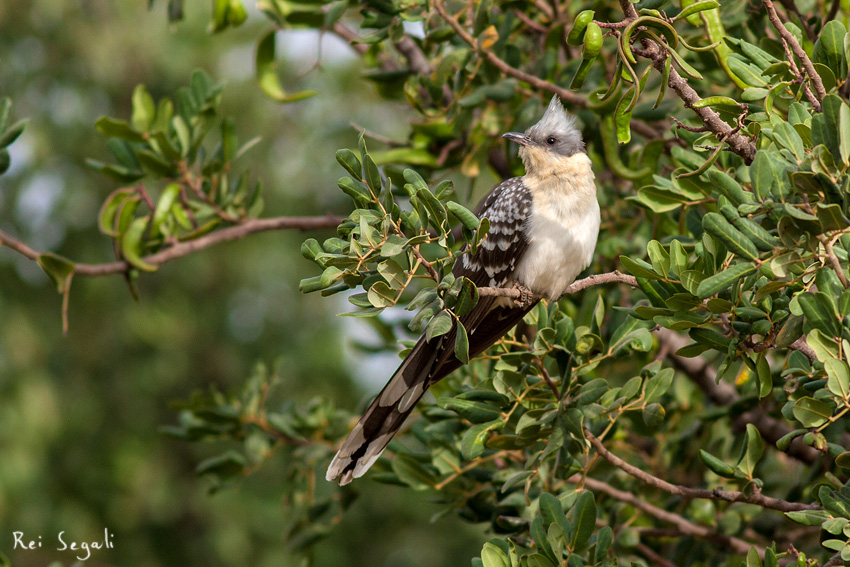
(519, 138)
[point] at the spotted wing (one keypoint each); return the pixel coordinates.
(507, 208)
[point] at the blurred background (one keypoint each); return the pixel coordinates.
(80, 449)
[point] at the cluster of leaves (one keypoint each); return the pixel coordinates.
(168, 145)
(761, 265)
(301, 437)
(382, 248)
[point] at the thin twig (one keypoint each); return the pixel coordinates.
(798, 51)
(702, 493)
(833, 260)
(653, 556)
(186, 247)
(684, 525)
(597, 279)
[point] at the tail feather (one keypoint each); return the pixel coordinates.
(385, 415)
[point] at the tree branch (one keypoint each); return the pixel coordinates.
(187, 247)
(684, 525)
(802, 346)
(597, 279)
(798, 51)
(702, 493)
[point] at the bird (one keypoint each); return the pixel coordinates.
(543, 231)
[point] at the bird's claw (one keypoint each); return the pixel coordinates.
(526, 296)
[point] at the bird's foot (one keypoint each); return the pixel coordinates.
(526, 296)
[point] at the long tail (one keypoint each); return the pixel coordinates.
(386, 415)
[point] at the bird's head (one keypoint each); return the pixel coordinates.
(554, 137)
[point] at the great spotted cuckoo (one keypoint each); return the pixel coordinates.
(543, 229)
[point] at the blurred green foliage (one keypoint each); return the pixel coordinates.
(721, 142)
(80, 417)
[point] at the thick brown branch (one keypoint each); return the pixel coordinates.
(797, 49)
(802, 346)
(703, 493)
(187, 247)
(590, 281)
(684, 525)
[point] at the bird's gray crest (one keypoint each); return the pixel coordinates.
(557, 124)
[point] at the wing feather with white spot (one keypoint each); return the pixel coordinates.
(507, 208)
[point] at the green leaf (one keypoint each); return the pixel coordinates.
(660, 200)
(678, 257)
(373, 175)
(144, 109)
(653, 414)
(839, 377)
(752, 451)
(753, 559)
(844, 133)
(584, 520)
(785, 134)
(638, 268)
(57, 268)
(349, 160)
(226, 466)
(785, 441)
(11, 134)
(765, 378)
(659, 257)
(723, 280)
(472, 442)
(437, 212)
(550, 508)
(492, 556)
(811, 412)
(439, 325)
(469, 220)
(467, 298)
(114, 128)
(538, 560)
(829, 48)
(413, 473)
(697, 7)
(826, 124)
(658, 385)
(718, 467)
(819, 313)
(163, 207)
(462, 344)
(267, 78)
(381, 295)
(736, 241)
(808, 517)
(132, 245)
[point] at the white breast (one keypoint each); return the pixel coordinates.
(562, 228)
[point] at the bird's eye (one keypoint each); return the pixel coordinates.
(551, 141)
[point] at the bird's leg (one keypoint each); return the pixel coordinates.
(526, 296)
